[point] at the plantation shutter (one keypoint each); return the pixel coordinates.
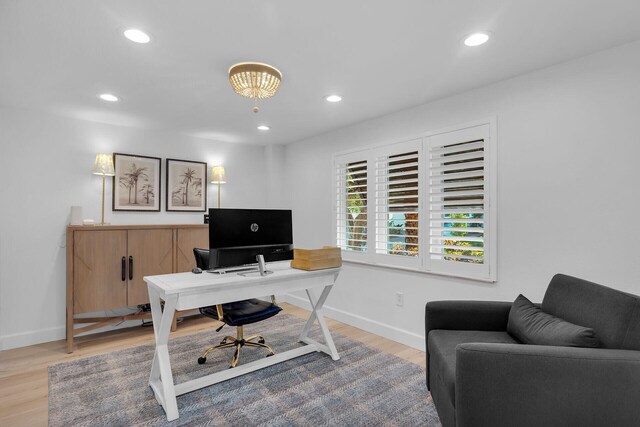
(351, 177)
(459, 202)
(397, 203)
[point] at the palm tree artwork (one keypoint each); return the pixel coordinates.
(188, 175)
(176, 195)
(147, 191)
(197, 186)
(136, 183)
(126, 183)
(134, 175)
(186, 186)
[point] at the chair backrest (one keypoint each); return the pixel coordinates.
(202, 261)
(614, 315)
(202, 258)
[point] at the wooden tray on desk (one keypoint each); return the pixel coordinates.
(317, 259)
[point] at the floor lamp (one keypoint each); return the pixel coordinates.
(103, 166)
(217, 177)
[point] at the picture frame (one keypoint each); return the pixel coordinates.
(136, 183)
(186, 186)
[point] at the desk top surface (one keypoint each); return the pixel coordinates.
(189, 282)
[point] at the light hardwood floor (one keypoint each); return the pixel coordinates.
(23, 371)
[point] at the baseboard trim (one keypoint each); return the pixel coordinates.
(402, 336)
(40, 336)
(25, 339)
(375, 327)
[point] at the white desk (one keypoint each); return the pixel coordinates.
(185, 291)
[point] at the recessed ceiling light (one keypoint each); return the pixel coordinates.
(137, 36)
(108, 97)
(263, 127)
(333, 98)
(476, 39)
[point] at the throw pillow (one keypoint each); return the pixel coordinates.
(531, 325)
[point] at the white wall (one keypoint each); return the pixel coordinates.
(45, 167)
(567, 153)
(568, 189)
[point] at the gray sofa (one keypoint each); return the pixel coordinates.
(479, 375)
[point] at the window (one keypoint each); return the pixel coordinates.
(397, 191)
(459, 201)
(430, 201)
(351, 213)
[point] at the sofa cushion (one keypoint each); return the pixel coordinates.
(615, 315)
(442, 350)
(531, 325)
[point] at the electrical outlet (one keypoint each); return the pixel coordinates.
(399, 299)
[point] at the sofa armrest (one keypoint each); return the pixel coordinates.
(464, 315)
(528, 385)
(467, 315)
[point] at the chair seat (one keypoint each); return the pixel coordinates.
(241, 313)
(442, 347)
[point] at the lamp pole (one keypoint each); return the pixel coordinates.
(103, 166)
(218, 177)
(103, 178)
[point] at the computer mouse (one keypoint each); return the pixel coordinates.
(196, 270)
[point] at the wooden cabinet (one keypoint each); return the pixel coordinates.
(187, 239)
(106, 264)
(150, 252)
(97, 272)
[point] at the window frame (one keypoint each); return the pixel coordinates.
(390, 150)
(485, 129)
(338, 161)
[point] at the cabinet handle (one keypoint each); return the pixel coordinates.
(124, 267)
(130, 268)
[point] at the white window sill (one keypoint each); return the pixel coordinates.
(416, 270)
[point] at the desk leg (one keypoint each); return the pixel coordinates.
(317, 314)
(161, 379)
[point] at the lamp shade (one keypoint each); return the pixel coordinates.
(104, 165)
(217, 175)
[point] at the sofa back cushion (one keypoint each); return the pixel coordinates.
(614, 315)
(531, 325)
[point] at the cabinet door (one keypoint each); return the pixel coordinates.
(151, 253)
(97, 270)
(189, 238)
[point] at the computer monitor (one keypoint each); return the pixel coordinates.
(237, 236)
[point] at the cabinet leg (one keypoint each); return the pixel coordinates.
(174, 323)
(69, 332)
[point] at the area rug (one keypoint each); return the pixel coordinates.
(366, 387)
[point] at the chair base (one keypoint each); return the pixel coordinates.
(238, 342)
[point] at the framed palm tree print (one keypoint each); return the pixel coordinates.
(136, 184)
(186, 186)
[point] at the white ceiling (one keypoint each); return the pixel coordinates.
(381, 56)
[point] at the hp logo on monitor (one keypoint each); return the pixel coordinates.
(254, 227)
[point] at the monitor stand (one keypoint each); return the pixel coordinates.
(245, 270)
(262, 268)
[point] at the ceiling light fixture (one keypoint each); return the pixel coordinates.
(108, 97)
(137, 36)
(333, 98)
(263, 127)
(476, 39)
(254, 80)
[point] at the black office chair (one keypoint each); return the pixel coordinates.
(236, 314)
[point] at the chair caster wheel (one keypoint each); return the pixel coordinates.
(261, 341)
(202, 360)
